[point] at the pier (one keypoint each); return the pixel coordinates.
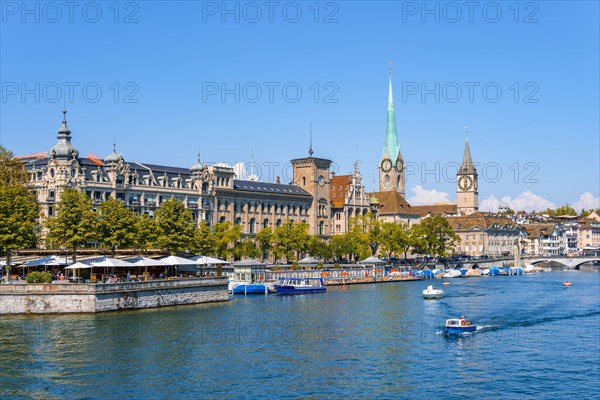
(52, 298)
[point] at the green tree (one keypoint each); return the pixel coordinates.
(226, 236)
(204, 241)
(367, 229)
(147, 233)
(245, 248)
(75, 223)
(175, 226)
(565, 209)
(317, 247)
(290, 239)
(117, 227)
(263, 240)
(434, 236)
(19, 210)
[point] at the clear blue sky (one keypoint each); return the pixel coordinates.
(174, 54)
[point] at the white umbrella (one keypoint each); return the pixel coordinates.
(48, 260)
(182, 264)
(372, 260)
(205, 260)
(79, 265)
(309, 260)
(147, 262)
(108, 262)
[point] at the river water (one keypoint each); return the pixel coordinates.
(537, 339)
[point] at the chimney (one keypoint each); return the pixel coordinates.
(277, 180)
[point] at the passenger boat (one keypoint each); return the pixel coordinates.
(433, 293)
(456, 326)
(299, 285)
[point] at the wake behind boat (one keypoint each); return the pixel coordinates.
(300, 285)
(433, 292)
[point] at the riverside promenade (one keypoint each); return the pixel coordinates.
(52, 298)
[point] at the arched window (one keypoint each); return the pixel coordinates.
(222, 219)
(252, 225)
(321, 228)
(278, 222)
(265, 223)
(386, 182)
(303, 181)
(238, 221)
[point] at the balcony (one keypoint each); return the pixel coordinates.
(149, 203)
(193, 206)
(50, 199)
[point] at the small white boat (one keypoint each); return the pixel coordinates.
(453, 273)
(485, 271)
(433, 292)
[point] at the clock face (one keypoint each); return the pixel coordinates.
(386, 165)
(399, 165)
(465, 183)
(321, 180)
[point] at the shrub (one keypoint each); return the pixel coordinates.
(39, 277)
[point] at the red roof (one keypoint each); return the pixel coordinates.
(340, 185)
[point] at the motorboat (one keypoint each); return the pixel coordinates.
(456, 326)
(567, 283)
(494, 271)
(300, 285)
(433, 292)
(486, 271)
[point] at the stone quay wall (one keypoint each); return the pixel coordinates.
(91, 298)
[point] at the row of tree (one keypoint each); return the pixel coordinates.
(112, 225)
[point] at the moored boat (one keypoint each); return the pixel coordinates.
(256, 288)
(300, 285)
(453, 273)
(433, 292)
(456, 326)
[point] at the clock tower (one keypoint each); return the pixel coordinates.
(391, 165)
(467, 190)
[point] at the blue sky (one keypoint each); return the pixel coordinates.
(162, 67)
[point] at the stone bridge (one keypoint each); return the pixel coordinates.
(568, 262)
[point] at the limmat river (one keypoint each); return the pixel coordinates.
(537, 340)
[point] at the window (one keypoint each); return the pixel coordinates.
(321, 228)
(252, 225)
(303, 181)
(238, 221)
(265, 223)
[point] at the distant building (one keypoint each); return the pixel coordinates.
(588, 239)
(467, 184)
(543, 240)
(485, 233)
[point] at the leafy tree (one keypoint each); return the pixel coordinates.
(394, 239)
(226, 234)
(245, 248)
(75, 223)
(434, 236)
(565, 209)
(175, 226)
(290, 239)
(367, 229)
(117, 225)
(586, 213)
(204, 241)
(263, 240)
(147, 232)
(19, 210)
(317, 247)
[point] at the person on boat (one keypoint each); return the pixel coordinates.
(463, 321)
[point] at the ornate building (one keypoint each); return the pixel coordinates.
(467, 185)
(348, 200)
(211, 193)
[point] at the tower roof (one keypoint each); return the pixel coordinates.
(63, 148)
(391, 147)
(467, 167)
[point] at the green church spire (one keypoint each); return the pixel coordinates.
(391, 139)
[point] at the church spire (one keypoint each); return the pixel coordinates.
(467, 166)
(391, 138)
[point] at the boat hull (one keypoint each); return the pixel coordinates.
(285, 289)
(457, 330)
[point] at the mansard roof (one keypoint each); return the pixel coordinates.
(265, 187)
